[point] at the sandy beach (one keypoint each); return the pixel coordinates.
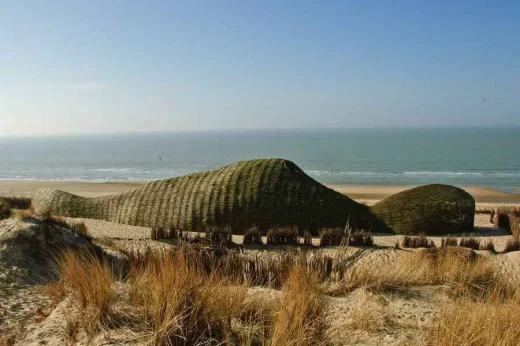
(367, 194)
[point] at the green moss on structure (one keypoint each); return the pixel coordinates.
(429, 209)
(263, 193)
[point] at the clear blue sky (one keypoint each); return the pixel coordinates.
(118, 66)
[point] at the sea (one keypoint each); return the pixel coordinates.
(462, 156)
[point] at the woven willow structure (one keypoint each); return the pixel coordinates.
(261, 193)
(429, 209)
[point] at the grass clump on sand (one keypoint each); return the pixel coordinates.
(470, 243)
(17, 202)
(181, 304)
(302, 312)
(460, 269)
(491, 319)
(448, 241)
(252, 236)
(282, 236)
(91, 281)
(417, 242)
(331, 236)
(173, 298)
(5, 210)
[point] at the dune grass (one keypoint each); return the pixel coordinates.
(91, 281)
(491, 319)
(301, 316)
(5, 210)
(462, 271)
(194, 295)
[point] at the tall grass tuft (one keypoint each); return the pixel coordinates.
(218, 235)
(360, 239)
(307, 238)
(471, 243)
(17, 202)
(460, 269)
(301, 316)
(417, 242)
(252, 236)
(331, 236)
(448, 241)
(91, 281)
(182, 305)
(491, 319)
(5, 210)
(490, 246)
(282, 236)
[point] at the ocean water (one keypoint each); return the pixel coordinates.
(473, 156)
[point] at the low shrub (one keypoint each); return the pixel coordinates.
(417, 242)
(331, 236)
(282, 236)
(252, 236)
(449, 241)
(5, 210)
(471, 243)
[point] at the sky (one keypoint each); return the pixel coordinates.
(70, 67)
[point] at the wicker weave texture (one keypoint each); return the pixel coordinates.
(263, 193)
(429, 209)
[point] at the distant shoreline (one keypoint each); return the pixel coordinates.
(368, 194)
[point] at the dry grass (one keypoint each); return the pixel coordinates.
(5, 210)
(252, 236)
(219, 235)
(492, 319)
(470, 243)
(307, 238)
(448, 241)
(17, 202)
(331, 236)
(370, 316)
(282, 236)
(462, 270)
(301, 317)
(417, 242)
(183, 306)
(360, 239)
(490, 246)
(91, 282)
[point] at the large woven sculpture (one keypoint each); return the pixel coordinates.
(258, 192)
(429, 209)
